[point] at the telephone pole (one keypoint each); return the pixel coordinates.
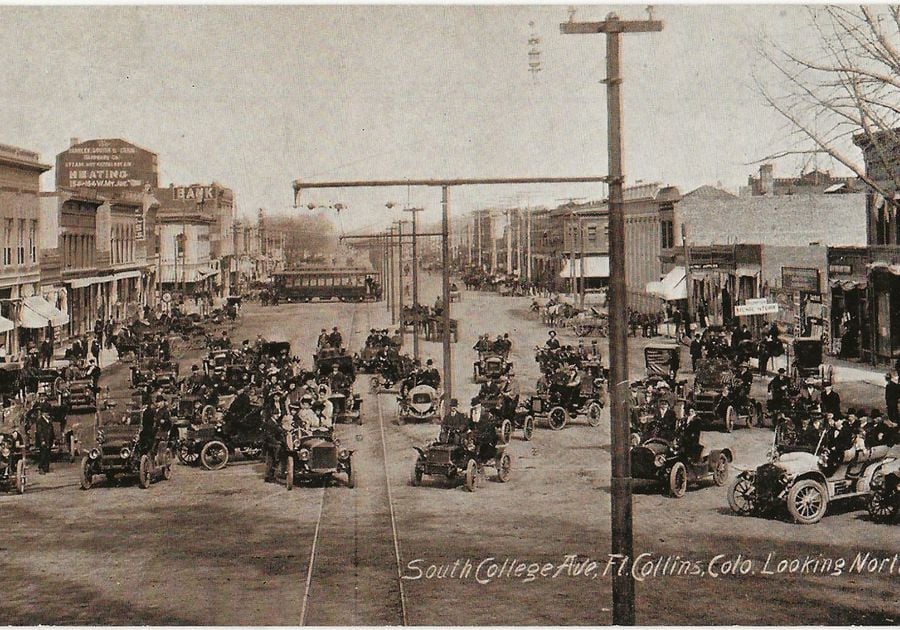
(415, 280)
(622, 533)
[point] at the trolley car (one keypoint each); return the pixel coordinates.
(349, 284)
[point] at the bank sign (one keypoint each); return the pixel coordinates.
(110, 166)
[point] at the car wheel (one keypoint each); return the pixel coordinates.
(416, 478)
(471, 475)
(87, 477)
(557, 418)
(506, 430)
(752, 415)
(742, 495)
(167, 465)
(721, 470)
(351, 480)
(144, 472)
(593, 413)
(374, 382)
(504, 468)
(881, 507)
(251, 452)
(807, 501)
(730, 416)
(187, 456)
(528, 428)
(289, 473)
(678, 480)
(73, 449)
(214, 455)
(21, 477)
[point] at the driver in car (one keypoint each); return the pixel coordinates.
(454, 425)
(665, 421)
(688, 432)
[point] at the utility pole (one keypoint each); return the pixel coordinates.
(581, 247)
(622, 533)
(401, 284)
(415, 280)
(392, 298)
(508, 213)
(688, 286)
(529, 263)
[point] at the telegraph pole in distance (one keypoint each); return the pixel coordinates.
(622, 533)
(415, 279)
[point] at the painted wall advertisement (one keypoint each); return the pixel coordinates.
(109, 166)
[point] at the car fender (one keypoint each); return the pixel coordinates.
(886, 466)
(420, 451)
(714, 455)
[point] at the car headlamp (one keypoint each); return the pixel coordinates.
(303, 455)
(337, 442)
(659, 460)
(94, 454)
(343, 454)
(100, 436)
(125, 453)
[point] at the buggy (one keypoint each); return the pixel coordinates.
(721, 397)
(464, 455)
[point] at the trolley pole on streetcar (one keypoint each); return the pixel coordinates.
(445, 185)
(622, 534)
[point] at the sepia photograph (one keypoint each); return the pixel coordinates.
(450, 315)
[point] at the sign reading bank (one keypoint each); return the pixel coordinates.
(111, 166)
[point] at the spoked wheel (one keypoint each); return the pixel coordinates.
(721, 470)
(351, 480)
(504, 468)
(557, 418)
(742, 495)
(506, 430)
(21, 477)
(144, 472)
(167, 465)
(251, 452)
(187, 456)
(807, 501)
(471, 475)
(678, 480)
(214, 455)
(594, 409)
(416, 477)
(730, 417)
(374, 384)
(881, 506)
(87, 477)
(289, 473)
(528, 428)
(753, 415)
(73, 449)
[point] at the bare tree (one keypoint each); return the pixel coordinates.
(845, 90)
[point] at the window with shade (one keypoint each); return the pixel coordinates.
(20, 244)
(32, 240)
(667, 234)
(7, 241)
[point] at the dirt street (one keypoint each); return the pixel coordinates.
(225, 548)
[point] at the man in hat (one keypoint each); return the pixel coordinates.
(665, 419)
(778, 389)
(43, 435)
(324, 407)
(224, 341)
(93, 373)
(696, 351)
(552, 342)
(509, 395)
(454, 424)
(830, 401)
(323, 339)
(430, 375)
(335, 340)
(337, 380)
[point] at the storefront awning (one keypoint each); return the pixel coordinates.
(125, 275)
(883, 266)
(849, 285)
(594, 267)
(80, 283)
(36, 312)
(672, 287)
(6, 325)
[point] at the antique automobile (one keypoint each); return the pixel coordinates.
(10, 378)
(662, 361)
(347, 405)
(806, 483)
(884, 501)
(721, 397)
(490, 365)
(13, 474)
(667, 462)
(316, 456)
(519, 419)
(211, 440)
(560, 402)
(120, 452)
(80, 392)
(50, 383)
(325, 358)
(807, 361)
(154, 373)
(464, 455)
(421, 403)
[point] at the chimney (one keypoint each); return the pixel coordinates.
(766, 179)
(73, 142)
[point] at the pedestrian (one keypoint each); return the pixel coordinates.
(43, 437)
(696, 351)
(108, 332)
(95, 348)
(46, 352)
(98, 330)
(93, 373)
(892, 396)
(763, 356)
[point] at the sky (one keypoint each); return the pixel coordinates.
(255, 97)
